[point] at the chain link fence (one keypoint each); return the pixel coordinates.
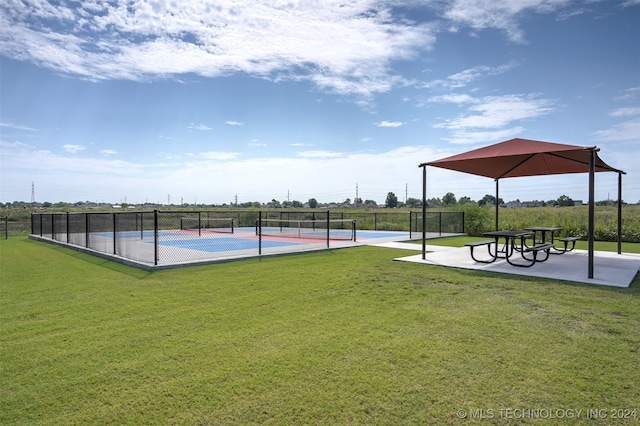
(172, 237)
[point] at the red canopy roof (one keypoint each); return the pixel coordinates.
(523, 157)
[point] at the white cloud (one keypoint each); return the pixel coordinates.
(632, 94)
(470, 75)
(502, 15)
(74, 149)
(390, 124)
(625, 112)
(221, 156)
(465, 77)
(626, 131)
(22, 157)
(16, 126)
(108, 152)
(341, 47)
(319, 154)
(499, 111)
(453, 98)
(204, 127)
(234, 123)
(214, 180)
(471, 137)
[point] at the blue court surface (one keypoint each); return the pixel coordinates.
(245, 239)
(172, 248)
(225, 244)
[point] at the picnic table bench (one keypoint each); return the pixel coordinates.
(543, 239)
(545, 248)
(487, 243)
(566, 241)
(529, 253)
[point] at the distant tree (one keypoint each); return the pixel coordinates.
(275, 204)
(347, 202)
(357, 201)
(490, 200)
(413, 202)
(465, 200)
(391, 201)
(434, 201)
(297, 204)
(449, 199)
(313, 203)
(370, 203)
(564, 201)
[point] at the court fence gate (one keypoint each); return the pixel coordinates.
(170, 237)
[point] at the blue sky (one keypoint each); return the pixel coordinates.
(138, 101)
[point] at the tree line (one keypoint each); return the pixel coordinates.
(391, 201)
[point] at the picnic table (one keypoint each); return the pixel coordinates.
(544, 230)
(514, 241)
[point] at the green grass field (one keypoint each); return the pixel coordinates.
(333, 337)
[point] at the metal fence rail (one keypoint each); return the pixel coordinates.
(166, 237)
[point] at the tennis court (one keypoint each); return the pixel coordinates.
(185, 247)
(180, 248)
(153, 240)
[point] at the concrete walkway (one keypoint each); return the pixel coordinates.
(610, 269)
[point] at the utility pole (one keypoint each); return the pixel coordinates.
(356, 195)
(406, 192)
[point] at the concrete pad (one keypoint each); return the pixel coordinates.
(610, 269)
(410, 246)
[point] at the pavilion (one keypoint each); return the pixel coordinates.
(524, 157)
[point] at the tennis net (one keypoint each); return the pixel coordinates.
(218, 225)
(336, 229)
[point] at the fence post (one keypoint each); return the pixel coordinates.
(86, 230)
(155, 237)
(354, 230)
(328, 224)
(114, 232)
(440, 224)
(259, 229)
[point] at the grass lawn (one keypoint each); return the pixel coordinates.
(333, 337)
